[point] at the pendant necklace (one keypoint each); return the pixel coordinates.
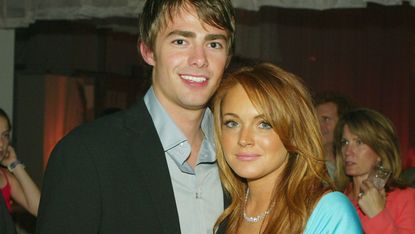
(254, 219)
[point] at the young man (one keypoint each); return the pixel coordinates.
(152, 168)
(330, 106)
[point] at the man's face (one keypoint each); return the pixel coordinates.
(328, 117)
(188, 61)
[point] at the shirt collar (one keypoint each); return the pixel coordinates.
(170, 135)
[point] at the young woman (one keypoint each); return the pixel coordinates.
(271, 158)
(15, 183)
(364, 138)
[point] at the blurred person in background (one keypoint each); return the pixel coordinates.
(330, 106)
(365, 139)
(15, 183)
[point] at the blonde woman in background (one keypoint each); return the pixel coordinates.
(363, 139)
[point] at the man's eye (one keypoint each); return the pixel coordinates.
(179, 42)
(265, 125)
(215, 45)
(230, 124)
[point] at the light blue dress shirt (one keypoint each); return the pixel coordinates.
(198, 193)
(334, 213)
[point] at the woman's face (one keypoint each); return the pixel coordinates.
(358, 157)
(4, 136)
(251, 146)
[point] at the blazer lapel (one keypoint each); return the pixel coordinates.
(149, 156)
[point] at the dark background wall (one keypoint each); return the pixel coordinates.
(368, 54)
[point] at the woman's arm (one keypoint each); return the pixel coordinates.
(397, 217)
(23, 190)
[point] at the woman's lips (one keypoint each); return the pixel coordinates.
(247, 156)
(349, 163)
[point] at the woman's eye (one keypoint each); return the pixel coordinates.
(344, 142)
(359, 142)
(5, 136)
(230, 124)
(265, 125)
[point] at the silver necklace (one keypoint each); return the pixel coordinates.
(254, 219)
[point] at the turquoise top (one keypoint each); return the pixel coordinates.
(334, 213)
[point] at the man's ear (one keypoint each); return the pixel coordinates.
(146, 53)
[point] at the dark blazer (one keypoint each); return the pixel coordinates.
(109, 176)
(6, 222)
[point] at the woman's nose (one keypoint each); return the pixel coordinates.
(245, 138)
(348, 150)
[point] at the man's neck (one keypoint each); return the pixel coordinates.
(189, 122)
(328, 152)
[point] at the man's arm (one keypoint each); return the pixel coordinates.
(70, 200)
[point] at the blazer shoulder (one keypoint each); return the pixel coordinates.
(126, 123)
